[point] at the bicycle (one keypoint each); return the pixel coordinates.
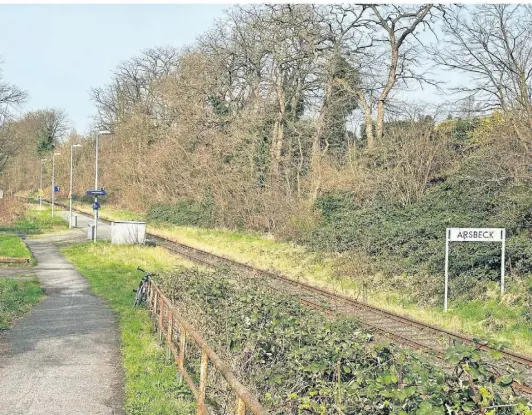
(142, 292)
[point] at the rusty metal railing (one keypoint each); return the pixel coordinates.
(176, 328)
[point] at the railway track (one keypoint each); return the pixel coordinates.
(398, 328)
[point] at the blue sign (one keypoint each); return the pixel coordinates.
(100, 192)
(95, 206)
(56, 189)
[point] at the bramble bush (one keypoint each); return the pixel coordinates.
(184, 213)
(298, 361)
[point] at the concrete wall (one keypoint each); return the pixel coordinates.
(128, 232)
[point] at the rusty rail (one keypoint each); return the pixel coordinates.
(176, 326)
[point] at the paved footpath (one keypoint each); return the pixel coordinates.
(63, 358)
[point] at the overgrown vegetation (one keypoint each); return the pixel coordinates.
(33, 221)
(151, 383)
(298, 361)
(17, 298)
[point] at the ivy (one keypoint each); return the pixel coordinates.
(298, 361)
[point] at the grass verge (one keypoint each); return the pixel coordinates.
(110, 212)
(151, 383)
(17, 298)
(500, 319)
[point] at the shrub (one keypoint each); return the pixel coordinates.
(412, 237)
(298, 361)
(184, 213)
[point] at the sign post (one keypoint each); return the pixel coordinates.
(473, 235)
(95, 207)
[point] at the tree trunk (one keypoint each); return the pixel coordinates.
(278, 134)
(379, 130)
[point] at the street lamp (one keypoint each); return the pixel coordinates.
(53, 180)
(40, 186)
(98, 134)
(70, 194)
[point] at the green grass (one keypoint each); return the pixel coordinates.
(111, 212)
(36, 222)
(17, 298)
(151, 382)
(500, 319)
(12, 246)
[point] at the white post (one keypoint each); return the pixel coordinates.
(40, 189)
(70, 192)
(502, 259)
(53, 182)
(96, 188)
(447, 234)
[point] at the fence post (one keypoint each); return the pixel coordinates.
(161, 311)
(240, 406)
(169, 333)
(182, 346)
(203, 381)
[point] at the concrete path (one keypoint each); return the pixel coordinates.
(64, 357)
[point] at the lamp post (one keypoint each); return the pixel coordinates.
(53, 180)
(40, 186)
(98, 134)
(70, 194)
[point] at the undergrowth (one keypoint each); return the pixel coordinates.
(298, 361)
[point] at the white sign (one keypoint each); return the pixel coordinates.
(476, 234)
(473, 235)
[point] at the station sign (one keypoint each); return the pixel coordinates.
(99, 192)
(473, 235)
(476, 234)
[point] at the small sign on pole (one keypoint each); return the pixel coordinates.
(99, 192)
(473, 235)
(56, 189)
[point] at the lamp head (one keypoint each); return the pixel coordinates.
(104, 132)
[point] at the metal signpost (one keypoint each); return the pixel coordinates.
(95, 207)
(72, 146)
(473, 235)
(53, 181)
(41, 192)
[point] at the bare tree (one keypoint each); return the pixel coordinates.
(493, 44)
(9, 95)
(131, 87)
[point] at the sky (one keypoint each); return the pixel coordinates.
(57, 53)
